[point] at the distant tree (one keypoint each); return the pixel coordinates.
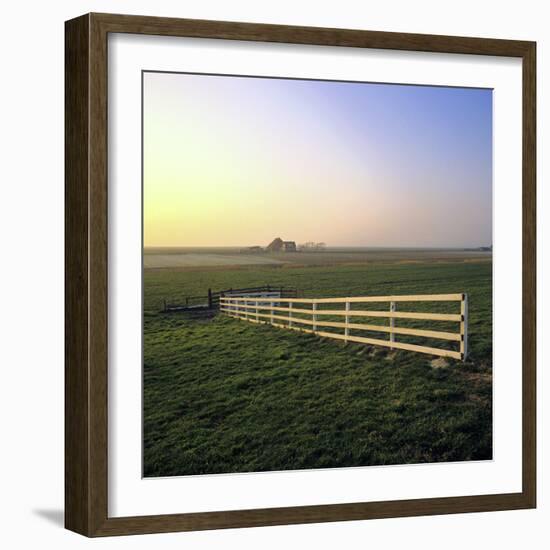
(310, 246)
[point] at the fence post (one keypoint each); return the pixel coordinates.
(289, 314)
(393, 308)
(271, 312)
(464, 327)
(346, 329)
(209, 298)
(257, 318)
(314, 308)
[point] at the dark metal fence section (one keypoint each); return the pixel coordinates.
(211, 301)
(282, 291)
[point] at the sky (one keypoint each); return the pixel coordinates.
(238, 161)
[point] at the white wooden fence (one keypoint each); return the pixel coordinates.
(281, 312)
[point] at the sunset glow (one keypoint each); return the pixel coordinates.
(237, 161)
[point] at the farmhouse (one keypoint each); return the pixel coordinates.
(278, 245)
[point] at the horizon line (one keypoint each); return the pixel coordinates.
(327, 246)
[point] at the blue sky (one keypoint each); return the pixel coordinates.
(235, 160)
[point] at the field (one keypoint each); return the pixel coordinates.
(222, 395)
(230, 257)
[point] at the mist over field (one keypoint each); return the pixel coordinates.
(161, 257)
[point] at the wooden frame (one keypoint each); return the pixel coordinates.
(86, 274)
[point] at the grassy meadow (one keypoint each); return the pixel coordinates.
(223, 395)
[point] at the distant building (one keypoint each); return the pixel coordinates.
(289, 246)
(278, 245)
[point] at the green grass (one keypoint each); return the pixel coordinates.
(222, 395)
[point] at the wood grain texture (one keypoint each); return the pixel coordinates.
(310, 514)
(529, 275)
(77, 459)
(98, 274)
(166, 26)
(86, 491)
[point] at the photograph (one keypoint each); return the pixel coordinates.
(317, 274)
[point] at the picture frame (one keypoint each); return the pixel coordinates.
(87, 280)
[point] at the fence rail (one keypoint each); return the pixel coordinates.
(269, 310)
